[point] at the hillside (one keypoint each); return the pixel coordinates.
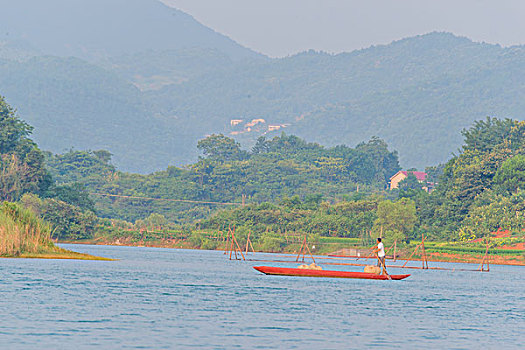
(75, 104)
(150, 101)
(98, 29)
(417, 94)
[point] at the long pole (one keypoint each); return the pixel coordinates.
(395, 248)
(227, 242)
(311, 255)
(251, 245)
(482, 265)
(301, 250)
(384, 267)
(231, 247)
(425, 262)
(247, 241)
(238, 247)
(411, 255)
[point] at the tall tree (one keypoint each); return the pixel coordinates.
(511, 175)
(21, 162)
(221, 148)
(396, 220)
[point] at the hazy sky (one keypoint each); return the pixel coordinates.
(283, 27)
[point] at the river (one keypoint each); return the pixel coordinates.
(182, 299)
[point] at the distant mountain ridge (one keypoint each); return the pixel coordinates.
(96, 29)
(149, 103)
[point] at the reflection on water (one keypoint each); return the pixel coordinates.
(176, 299)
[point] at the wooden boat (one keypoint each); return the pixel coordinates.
(287, 271)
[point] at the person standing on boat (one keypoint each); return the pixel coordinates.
(380, 252)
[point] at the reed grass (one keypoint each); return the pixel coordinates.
(23, 234)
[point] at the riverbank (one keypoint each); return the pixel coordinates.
(24, 235)
(56, 253)
(494, 259)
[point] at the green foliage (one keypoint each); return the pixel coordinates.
(396, 220)
(410, 183)
(491, 212)
(21, 231)
(434, 173)
(80, 166)
(271, 242)
(74, 194)
(196, 239)
(510, 176)
(21, 162)
(473, 250)
(68, 221)
(478, 192)
(343, 219)
(342, 240)
(289, 169)
(14, 132)
(220, 148)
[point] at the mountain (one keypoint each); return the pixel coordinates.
(73, 69)
(96, 29)
(147, 82)
(72, 103)
(417, 93)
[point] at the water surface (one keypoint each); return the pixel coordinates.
(179, 299)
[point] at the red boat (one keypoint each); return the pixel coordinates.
(287, 271)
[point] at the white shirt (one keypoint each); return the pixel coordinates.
(381, 252)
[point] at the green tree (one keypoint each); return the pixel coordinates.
(488, 144)
(493, 211)
(396, 219)
(68, 221)
(156, 220)
(74, 194)
(21, 162)
(434, 173)
(410, 183)
(385, 162)
(220, 147)
(261, 146)
(511, 175)
(13, 131)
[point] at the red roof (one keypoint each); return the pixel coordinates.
(421, 176)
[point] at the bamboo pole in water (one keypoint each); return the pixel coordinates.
(237, 244)
(424, 257)
(304, 249)
(227, 243)
(411, 255)
(395, 248)
(485, 257)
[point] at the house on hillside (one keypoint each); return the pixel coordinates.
(234, 122)
(255, 122)
(420, 176)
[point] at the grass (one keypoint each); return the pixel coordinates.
(474, 250)
(342, 240)
(61, 253)
(24, 235)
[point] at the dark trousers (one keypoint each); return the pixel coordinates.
(381, 261)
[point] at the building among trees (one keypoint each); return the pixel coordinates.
(402, 175)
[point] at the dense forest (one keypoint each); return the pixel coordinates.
(479, 191)
(284, 166)
(284, 184)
